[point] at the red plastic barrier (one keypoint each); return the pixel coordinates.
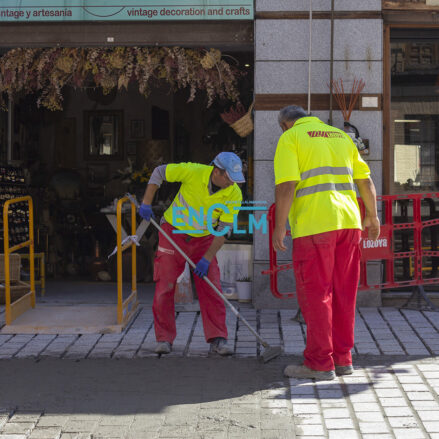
(383, 248)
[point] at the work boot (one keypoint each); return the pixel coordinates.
(163, 347)
(302, 372)
(344, 370)
(219, 346)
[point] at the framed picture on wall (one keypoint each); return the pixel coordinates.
(137, 129)
(103, 135)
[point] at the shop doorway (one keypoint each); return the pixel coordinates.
(76, 161)
(414, 110)
(414, 139)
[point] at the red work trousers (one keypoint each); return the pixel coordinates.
(327, 271)
(168, 265)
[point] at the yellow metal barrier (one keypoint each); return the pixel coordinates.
(21, 305)
(126, 308)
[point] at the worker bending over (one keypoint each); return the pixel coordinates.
(202, 187)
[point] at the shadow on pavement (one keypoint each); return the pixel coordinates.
(130, 386)
(117, 387)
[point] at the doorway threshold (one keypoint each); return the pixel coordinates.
(68, 319)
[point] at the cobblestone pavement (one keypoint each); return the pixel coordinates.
(378, 331)
(71, 387)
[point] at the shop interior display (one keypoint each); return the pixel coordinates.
(80, 146)
(12, 185)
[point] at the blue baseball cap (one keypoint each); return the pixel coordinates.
(232, 164)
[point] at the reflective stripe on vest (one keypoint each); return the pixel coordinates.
(325, 187)
(324, 170)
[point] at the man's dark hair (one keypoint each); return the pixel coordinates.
(290, 113)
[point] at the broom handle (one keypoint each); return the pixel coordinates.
(309, 57)
(217, 291)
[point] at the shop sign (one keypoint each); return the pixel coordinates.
(118, 10)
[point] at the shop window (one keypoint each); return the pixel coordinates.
(103, 134)
(414, 111)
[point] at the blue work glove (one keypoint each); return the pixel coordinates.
(145, 211)
(202, 267)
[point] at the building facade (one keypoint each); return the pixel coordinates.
(390, 45)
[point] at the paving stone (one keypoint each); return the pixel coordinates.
(304, 399)
(271, 434)
(79, 426)
(302, 390)
(377, 436)
(333, 404)
(52, 421)
(412, 379)
(18, 427)
(45, 433)
(275, 403)
(369, 417)
(75, 436)
(110, 431)
(408, 433)
(117, 420)
(307, 419)
(428, 367)
(419, 396)
(25, 417)
(429, 415)
(373, 427)
(309, 430)
(343, 434)
(3, 420)
(388, 393)
(306, 408)
(339, 424)
(336, 413)
(363, 397)
(425, 405)
(331, 396)
(397, 411)
(403, 422)
(431, 375)
(393, 402)
(431, 427)
(415, 387)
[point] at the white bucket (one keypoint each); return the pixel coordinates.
(244, 291)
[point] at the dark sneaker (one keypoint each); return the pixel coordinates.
(303, 372)
(163, 347)
(219, 346)
(344, 370)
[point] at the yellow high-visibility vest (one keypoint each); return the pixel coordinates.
(193, 207)
(325, 162)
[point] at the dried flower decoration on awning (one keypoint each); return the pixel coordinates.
(46, 71)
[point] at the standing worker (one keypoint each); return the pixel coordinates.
(186, 221)
(315, 168)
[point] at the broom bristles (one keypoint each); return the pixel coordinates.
(340, 96)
